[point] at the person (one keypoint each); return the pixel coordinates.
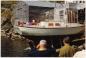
(28, 50)
(33, 22)
(42, 50)
(80, 54)
(27, 24)
(67, 50)
(81, 47)
(75, 48)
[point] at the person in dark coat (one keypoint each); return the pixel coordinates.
(42, 50)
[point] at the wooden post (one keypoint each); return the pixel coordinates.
(77, 16)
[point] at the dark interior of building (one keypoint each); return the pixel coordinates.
(81, 15)
(38, 13)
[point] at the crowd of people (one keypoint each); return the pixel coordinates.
(42, 50)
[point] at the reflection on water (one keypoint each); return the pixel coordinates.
(12, 47)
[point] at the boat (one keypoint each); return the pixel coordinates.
(63, 16)
(50, 28)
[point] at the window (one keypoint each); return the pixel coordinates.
(50, 24)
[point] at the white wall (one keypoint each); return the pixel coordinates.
(21, 11)
(40, 3)
(57, 9)
(56, 14)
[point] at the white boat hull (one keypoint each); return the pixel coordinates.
(35, 31)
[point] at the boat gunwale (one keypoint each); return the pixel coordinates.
(49, 28)
(24, 28)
